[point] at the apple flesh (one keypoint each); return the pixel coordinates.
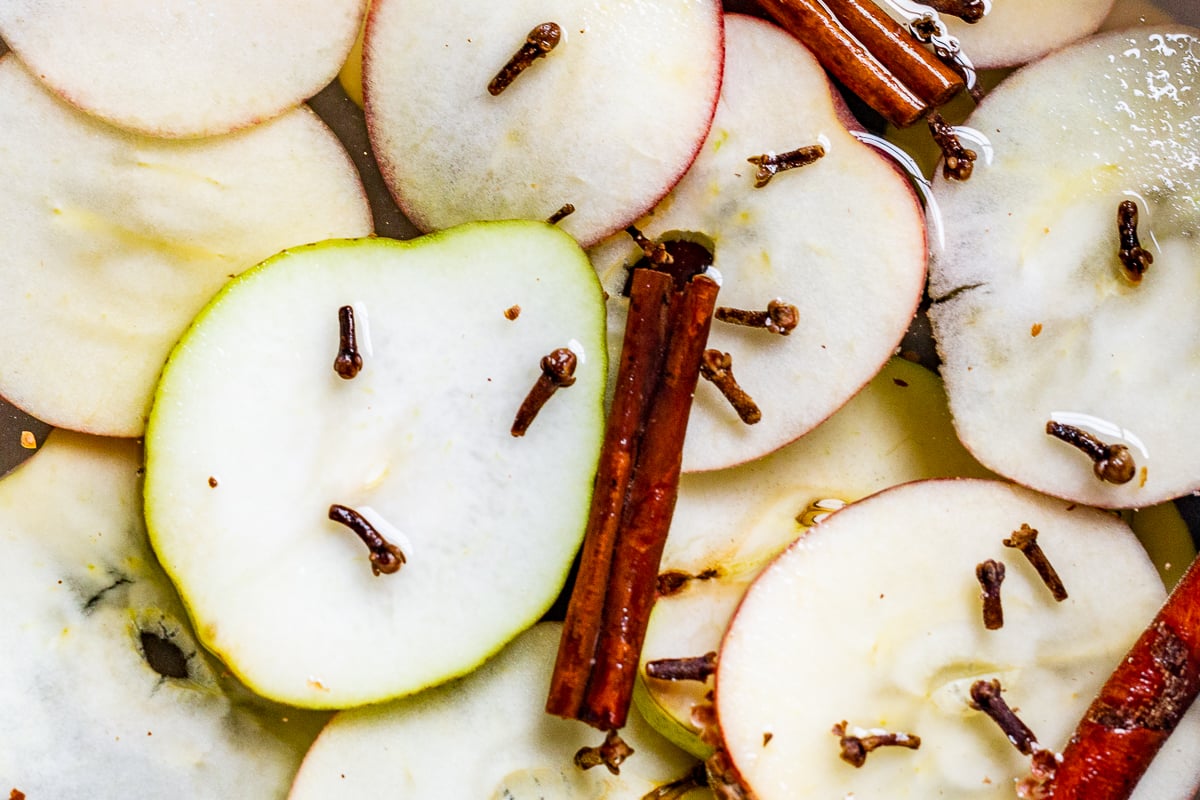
(607, 121)
(182, 69)
(728, 525)
(106, 690)
(834, 238)
(253, 436)
(895, 642)
(1034, 316)
(485, 735)
(113, 242)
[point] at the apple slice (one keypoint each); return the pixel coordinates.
(485, 735)
(114, 241)
(1034, 315)
(106, 692)
(895, 642)
(1014, 32)
(253, 438)
(182, 69)
(607, 121)
(728, 525)
(842, 239)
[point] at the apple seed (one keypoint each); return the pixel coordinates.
(558, 369)
(1111, 462)
(855, 748)
(717, 367)
(1134, 259)
(985, 697)
(385, 557)
(990, 575)
(771, 163)
(780, 317)
(349, 361)
(957, 161)
(540, 41)
(1025, 540)
(611, 754)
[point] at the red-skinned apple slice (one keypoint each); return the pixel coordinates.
(894, 643)
(254, 438)
(607, 121)
(182, 69)
(842, 239)
(1034, 314)
(484, 736)
(113, 241)
(104, 688)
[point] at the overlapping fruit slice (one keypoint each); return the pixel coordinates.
(841, 240)
(113, 241)
(1048, 313)
(346, 409)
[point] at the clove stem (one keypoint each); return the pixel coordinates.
(985, 697)
(694, 668)
(558, 370)
(856, 748)
(540, 41)
(1025, 540)
(349, 361)
(990, 575)
(770, 164)
(1111, 462)
(386, 558)
(717, 367)
(1134, 258)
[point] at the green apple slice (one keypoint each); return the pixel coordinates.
(484, 736)
(1034, 316)
(728, 525)
(253, 437)
(113, 242)
(88, 611)
(182, 69)
(894, 640)
(842, 239)
(607, 121)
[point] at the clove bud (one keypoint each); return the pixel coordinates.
(856, 748)
(957, 161)
(1025, 540)
(985, 697)
(1134, 258)
(349, 361)
(990, 575)
(386, 558)
(558, 370)
(770, 164)
(540, 41)
(780, 317)
(717, 367)
(611, 754)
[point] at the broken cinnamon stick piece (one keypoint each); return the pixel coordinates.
(1136, 709)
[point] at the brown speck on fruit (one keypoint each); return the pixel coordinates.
(1025, 540)
(1110, 462)
(212, 482)
(1036, 329)
(770, 164)
(558, 370)
(566, 210)
(1145, 473)
(990, 575)
(385, 557)
(855, 748)
(779, 317)
(985, 697)
(767, 737)
(28, 440)
(349, 361)
(957, 161)
(540, 41)
(674, 581)
(694, 668)
(512, 312)
(903, 384)
(1134, 258)
(611, 754)
(717, 367)
(16, 794)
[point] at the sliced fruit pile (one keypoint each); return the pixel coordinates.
(303, 468)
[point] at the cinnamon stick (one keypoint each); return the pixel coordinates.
(636, 488)
(1136, 709)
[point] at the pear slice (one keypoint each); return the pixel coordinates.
(483, 736)
(113, 242)
(1034, 315)
(182, 69)
(842, 239)
(607, 121)
(728, 525)
(88, 612)
(253, 437)
(874, 617)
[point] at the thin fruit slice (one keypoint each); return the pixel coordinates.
(105, 691)
(483, 736)
(841, 239)
(607, 121)
(182, 69)
(1034, 314)
(113, 242)
(728, 525)
(895, 641)
(254, 437)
